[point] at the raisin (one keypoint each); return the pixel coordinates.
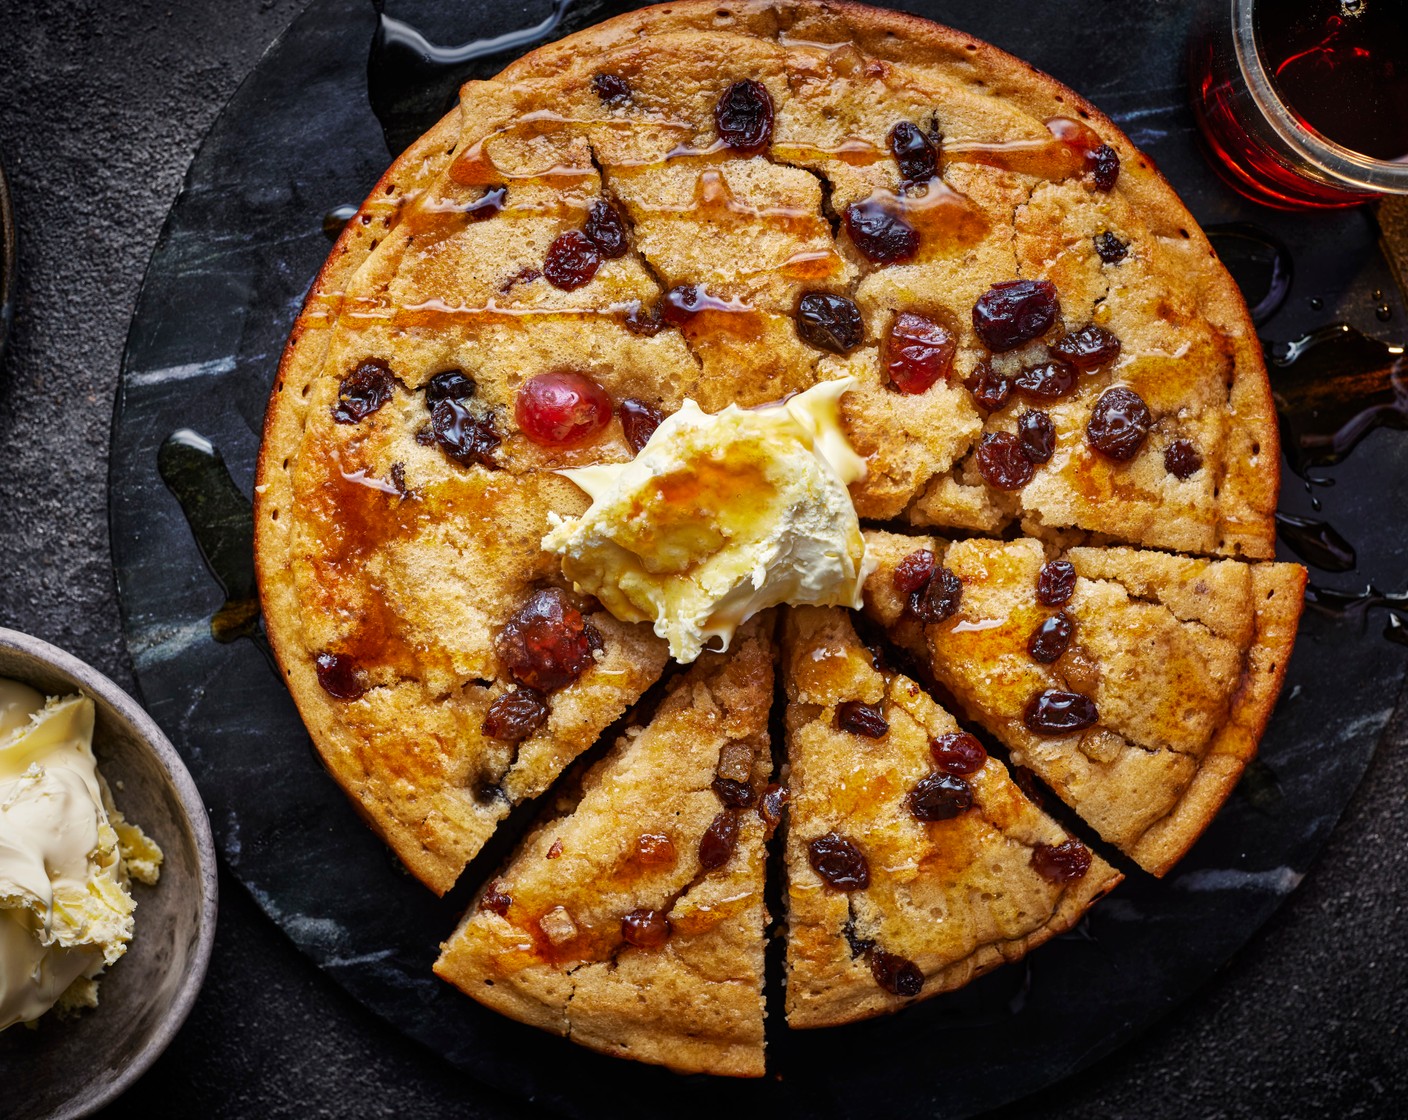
(938, 600)
(363, 391)
(1015, 311)
(958, 753)
(645, 929)
(1055, 712)
(1119, 424)
(829, 322)
(879, 234)
(918, 352)
(606, 229)
(495, 899)
(744, 115)
(561, 409)
(1003, 463)
(340, 677)
(1087, 348)
(654, 848)
(717, 844)
(939, 797)
(1181, 459)
(646, 323)
(612, 89)
(1046, 381)
(466, 438)
(770, 807)
(915, 153)
(638, 422)
(452, 385)
(681, 303)
(736, 795)
(839, 862)
(896, 974)
(1049, 640)
(572, 260)
(1104, 166)
(914, 571)
(990, 388)
(516, 715)
(488, 205)
(860, 718)
(1061, 863)
(1056, 582)
(1037, 435)
(1110, 248)
(555, 850)
(546, 643)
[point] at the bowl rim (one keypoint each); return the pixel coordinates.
(90, 680)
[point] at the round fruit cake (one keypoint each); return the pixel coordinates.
(1071, 467)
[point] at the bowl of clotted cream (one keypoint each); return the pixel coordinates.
(107, 885)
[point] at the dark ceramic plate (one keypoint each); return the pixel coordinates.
(238, 252)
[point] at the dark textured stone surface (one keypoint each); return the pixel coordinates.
(100, 110)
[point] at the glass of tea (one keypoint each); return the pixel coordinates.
(1304, 103)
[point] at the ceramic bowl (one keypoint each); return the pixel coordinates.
(71, 1067)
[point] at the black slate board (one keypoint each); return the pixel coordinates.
(239, 250)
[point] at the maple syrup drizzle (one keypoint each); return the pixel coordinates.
(1316, 542)
(1059, 156)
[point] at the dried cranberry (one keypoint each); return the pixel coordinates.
(495, 899)
(1003, 463)
(1104, 166)
(363, 391)
(606, 229)
(1110, 248)
(638, 422)
(839, 862)
(914, 571)
(860, 718)
(897, 975)
(487, 205)
(744, 115)
(340, 676)
(547, 643)
(990, 388)
(612, 89)
(1061, 863)
(829, 322)
(717, 844)
(1049, 640)
(572, 260)
(736, 795)
(1037, 435)
(879, 234)
(770, 807)
(1088, 347)
(1181, 459)
(1046, 381)
(939, 797)
(1015, 311)
(918, 352)
(561, 409)
(654, 848)
(1055, 712)
(643, 322)
(452, 385)
(938, 600)
(645, 929)
(915, 153)
(1119, 424)
(1056, 582)
(958, 753)
(516, 715)
(463, 436)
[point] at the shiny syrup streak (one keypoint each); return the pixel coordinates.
(1332, 387)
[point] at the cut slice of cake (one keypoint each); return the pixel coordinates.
(632, 921)
(914, 862)
(1136, 684)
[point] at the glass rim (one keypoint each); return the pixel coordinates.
(1342, 165)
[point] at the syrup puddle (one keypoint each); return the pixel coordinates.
(1259, 262)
